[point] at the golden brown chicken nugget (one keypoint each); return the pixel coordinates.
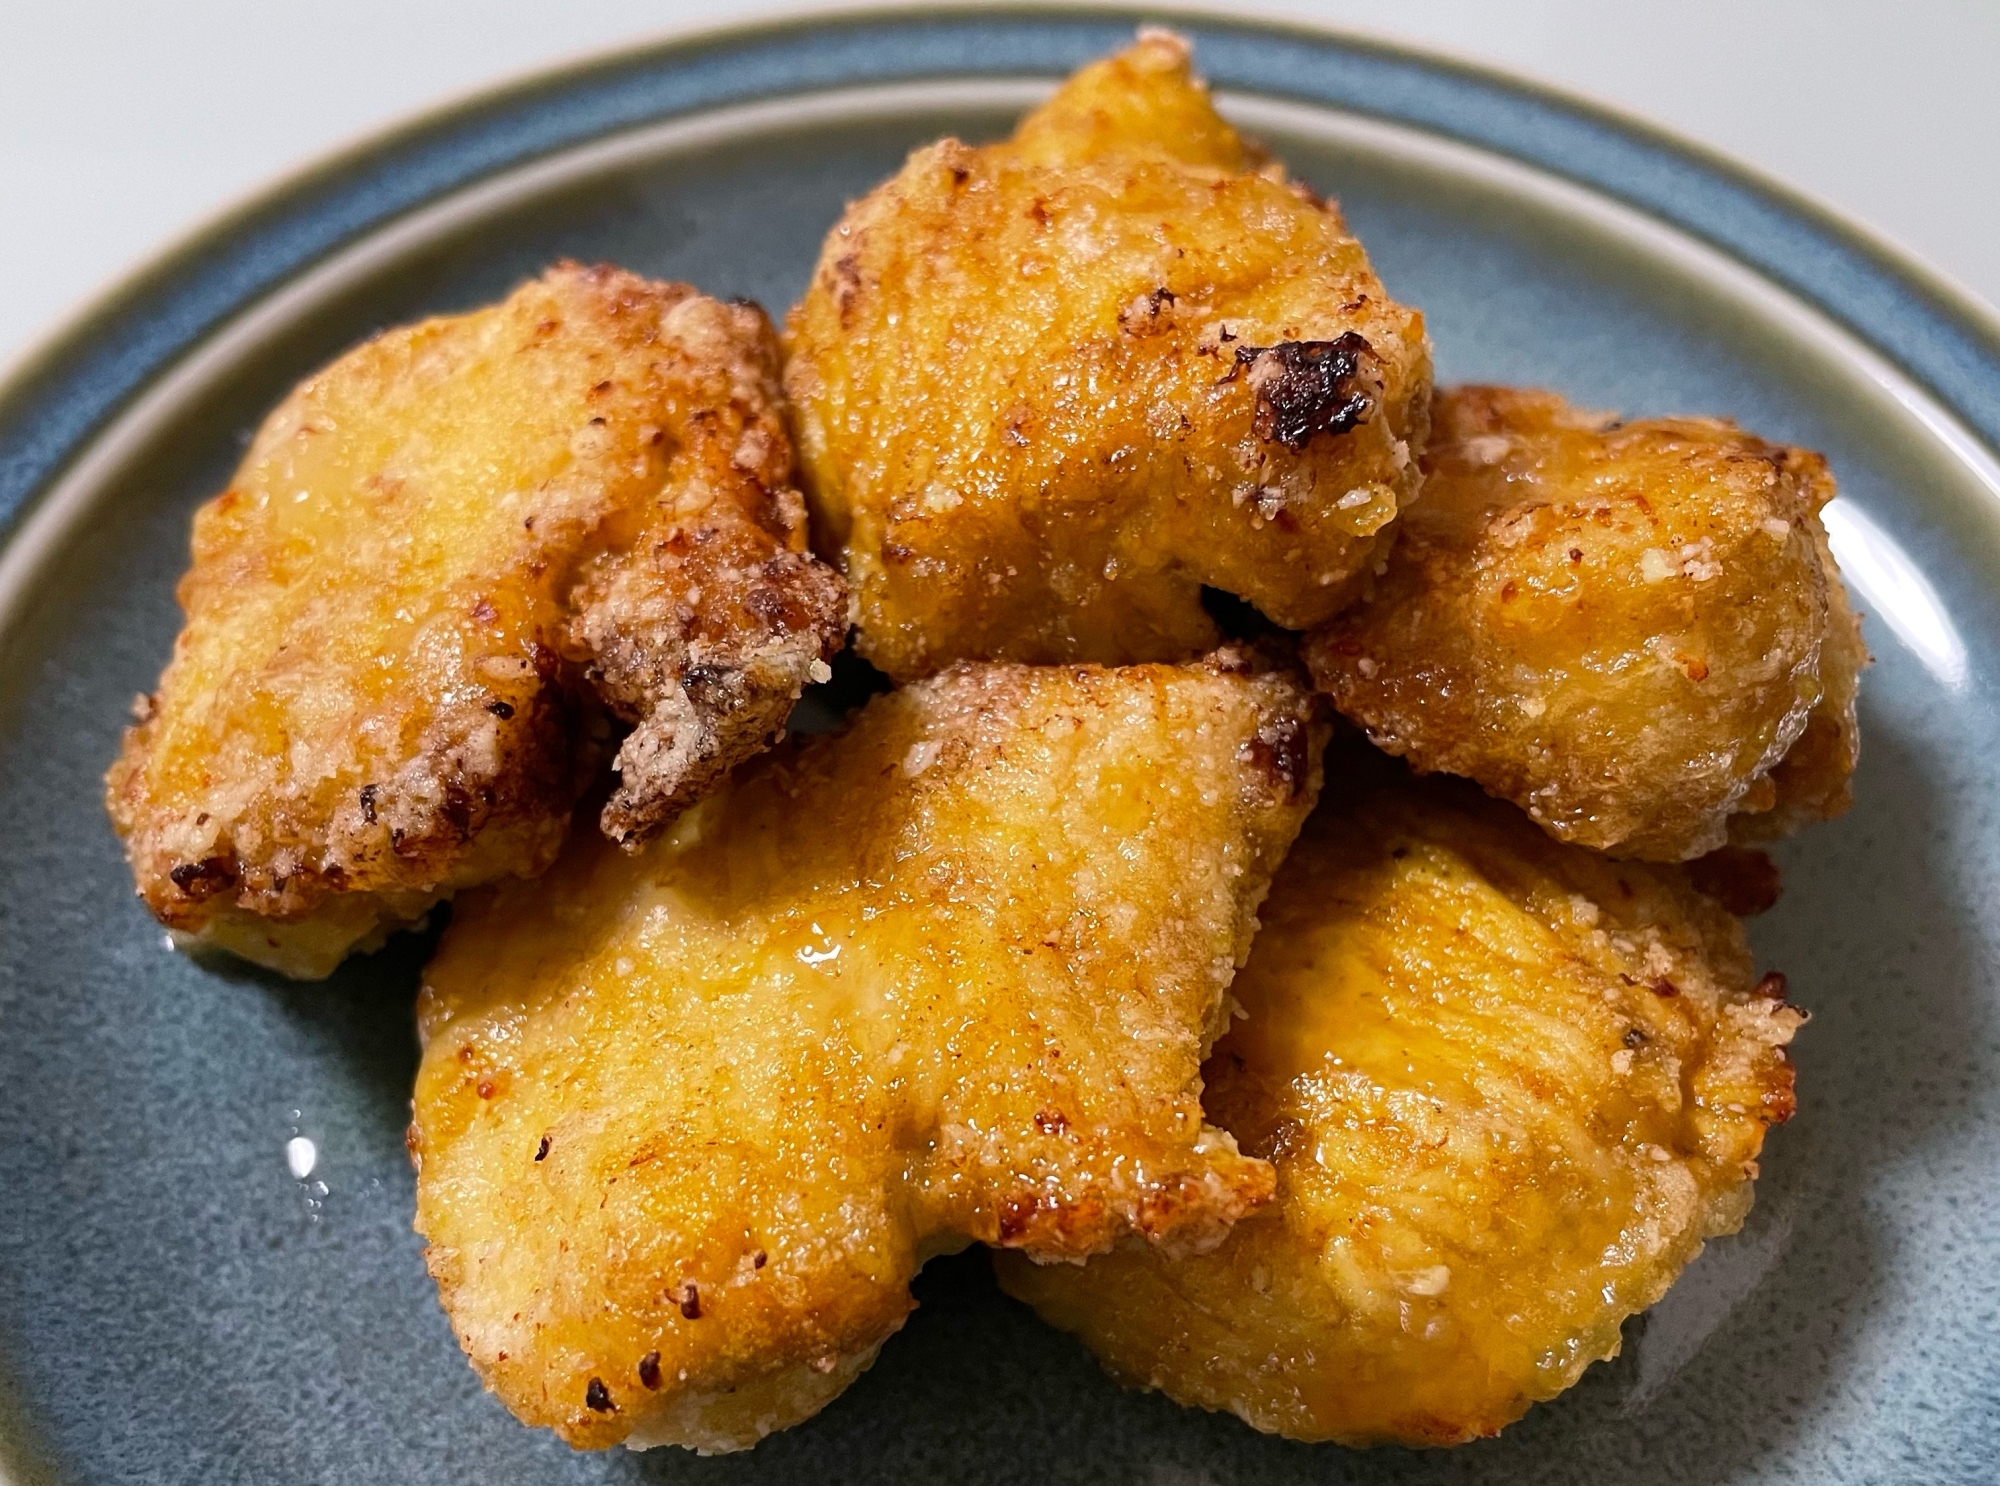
(688, 1122)
(1047, 389)
(1814, 781)
(441, 557)
(1634, 631)
(1510, 1088)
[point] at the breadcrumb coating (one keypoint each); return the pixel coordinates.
(443, 559)
(1047, 389)
(688, 1122)
(1633, 630)
(1510, 1088)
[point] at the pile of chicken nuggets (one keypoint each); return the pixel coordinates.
(1362, 1098)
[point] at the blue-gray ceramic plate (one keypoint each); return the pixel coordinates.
(179, 1301)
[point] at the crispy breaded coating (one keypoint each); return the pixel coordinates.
(440, 558)
(1635, 631)
(1814, 781)
(1510, 1088)
(688, 1122)
(1047, 389)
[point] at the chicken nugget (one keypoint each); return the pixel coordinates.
(1510, 1087)
(1814, 781)
(442, 560)
(1634, 631)
(688, 1122)
(1048, 389)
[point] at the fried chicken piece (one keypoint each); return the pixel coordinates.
(1510, 1088)
(439, 558)
(687, 1123)
(1634, 631)
(1047, 389)
(1814, 781)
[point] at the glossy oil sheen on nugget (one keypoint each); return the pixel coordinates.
(1049, 388)
(443, 559)
(1510, 1088)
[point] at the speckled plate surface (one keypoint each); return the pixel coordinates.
(177, 1305)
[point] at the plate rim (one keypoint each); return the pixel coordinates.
(61, 392)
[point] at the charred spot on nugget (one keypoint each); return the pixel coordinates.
(1308, 388)
(1048, 390)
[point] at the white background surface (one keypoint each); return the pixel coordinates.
(124, 123)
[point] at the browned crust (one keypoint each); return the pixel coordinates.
(603, 1179)
(660, 576)
(1542, 1186)
(704, 688)
(1815, 781)
(472, 779)
(1047, 390)
(1614, 696)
